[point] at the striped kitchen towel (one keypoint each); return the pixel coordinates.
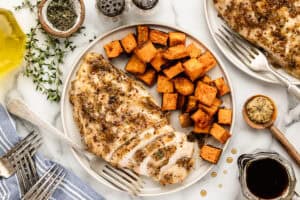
(71, 187)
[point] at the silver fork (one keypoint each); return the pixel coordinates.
(21, 158)
(29, 144)
(46, 185)
(123, 179)
(252, 57)
(26, 172)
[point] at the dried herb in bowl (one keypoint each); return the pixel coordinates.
(62, 14)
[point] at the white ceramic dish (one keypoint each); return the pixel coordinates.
(214, 22)
(70, 128)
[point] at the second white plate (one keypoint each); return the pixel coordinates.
(214, 22)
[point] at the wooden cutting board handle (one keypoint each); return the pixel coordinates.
(292, 151)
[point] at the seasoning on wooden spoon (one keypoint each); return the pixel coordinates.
(62, 14)
(260, 110)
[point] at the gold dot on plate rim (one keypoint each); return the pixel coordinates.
(220, 185)
(229, 159)
(213, 174)
(203, 193)
(225, 171)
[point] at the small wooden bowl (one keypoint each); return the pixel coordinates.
(256, 125)
(49, 28)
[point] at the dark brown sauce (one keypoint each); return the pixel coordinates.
(267, 178)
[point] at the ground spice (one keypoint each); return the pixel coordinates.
(61, 14)
(260, 110)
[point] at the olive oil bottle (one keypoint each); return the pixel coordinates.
(12, 42)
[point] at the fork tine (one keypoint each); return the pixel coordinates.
(121, 181)
(30, 146)
(29, 137)
(47, 186)
(127, 183)
(116, 184)
(248, 44)
(22, 183)
(50, 172)
(20, 167)
(133, 175)
(241, 42)
(33, 168)
(27, 143)
(238, 50)
(129, 177)
(122, 175)
(51, 190)
(27, 170)
(232, 48)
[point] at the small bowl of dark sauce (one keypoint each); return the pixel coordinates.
(266, 175)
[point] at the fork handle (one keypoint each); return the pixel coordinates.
(20, 109)
(291, 150)
(294, 90)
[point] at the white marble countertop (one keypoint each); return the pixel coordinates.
(189, 15)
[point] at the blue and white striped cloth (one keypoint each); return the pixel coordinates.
(71, 187)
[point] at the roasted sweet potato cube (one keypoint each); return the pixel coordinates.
(185, 120)
(169, 101)
(158, 61)
(146, 52)
(210, 153)
(164, 85)
(201, 118)
(174, 70)
(142, 34)
(135, 65)
(183, 86)
(193, 68)
(159, 37)
(113, 49)
(176, 52)
(224, 116)
(180, 102)
(199, 130)
(222, 86)
(191, 104)
(129, 43)
(176, 38)
(208, 61)
(206, 94)
(211, 110)
(148, 77)
(206, 79)
(193, 50)
(219, 133)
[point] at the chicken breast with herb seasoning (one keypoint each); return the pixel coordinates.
(273, 25)
(120, 122)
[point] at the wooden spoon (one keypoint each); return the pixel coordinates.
(292, 151)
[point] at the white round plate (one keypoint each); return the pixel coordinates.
(151, 188)
(214, 22)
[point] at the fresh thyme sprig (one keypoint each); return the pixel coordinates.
(28, 4)
(44, 57)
